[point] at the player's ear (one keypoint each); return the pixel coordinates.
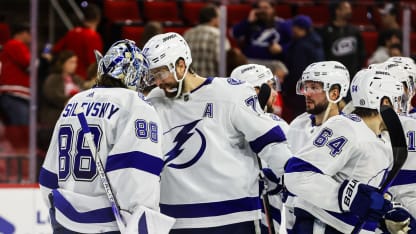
(334, 93)
(180, 66)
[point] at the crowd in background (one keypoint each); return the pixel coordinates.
(286, 46)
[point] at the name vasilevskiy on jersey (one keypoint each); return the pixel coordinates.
(95, 109)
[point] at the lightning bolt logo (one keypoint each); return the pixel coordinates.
(183, 135)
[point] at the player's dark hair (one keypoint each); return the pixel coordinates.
(109, 82)
(92, 13)
(207, 13)
(19, 28)
(365, 112)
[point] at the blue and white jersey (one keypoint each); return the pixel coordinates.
(403, 187)
(301, 129)
(344, 148)
(128, 135)
(211, 139)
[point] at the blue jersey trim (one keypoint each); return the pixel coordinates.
(142, 226)
(405, 177)
(136, 159)
(206, 82)
(274, 212)
(273, 135)
(103, 215)
(209, 209)
(298, 165)
(352, 220)
(48, 179)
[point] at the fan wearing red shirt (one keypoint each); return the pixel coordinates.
(83, 40)
(14, 76)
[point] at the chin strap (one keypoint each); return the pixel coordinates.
(180, 82)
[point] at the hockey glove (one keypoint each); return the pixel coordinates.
(398, 220)
(272, 182)
(362, 200)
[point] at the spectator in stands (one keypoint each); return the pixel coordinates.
(14, 77)
(235, 58)
(389, 15)
(83, 40)
(262, 36)
(395, 50)
(204, 41)
(342, 41)
(58, 88)
(280, 71)
(304, 49)
(386, 39)
(151, 29)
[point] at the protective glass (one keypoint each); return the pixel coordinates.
(157, 75)
(309, 87)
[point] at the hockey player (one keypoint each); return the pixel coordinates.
(214, 129)
(403, 188)
(127, 133)
(263, 81)
(337, 173)
(323, 84)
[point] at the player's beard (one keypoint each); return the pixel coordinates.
(317, 108)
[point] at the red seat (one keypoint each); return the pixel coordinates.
(162, 11)
(283, 11)
(413, 43)
(237, 13)
(132, 32)
(121, 10)
(370, 41)
(4, 33)
(360, 15)
(178, 29)
(318, 13)
(191, 12)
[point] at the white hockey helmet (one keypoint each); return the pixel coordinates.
(369, 86)
(396, 70)
(165, 50)
(329, 73)
(408, 64)
(124, 61)
(254, 74)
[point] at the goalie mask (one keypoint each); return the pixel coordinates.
(328, 73)
(124, 61)
(369, 86)
(259, 77)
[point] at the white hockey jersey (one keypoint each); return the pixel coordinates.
(345, 148)
(128, 135)
(301, 129)
(403, 187)
(211, 139)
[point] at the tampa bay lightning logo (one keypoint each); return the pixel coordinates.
(185, 133)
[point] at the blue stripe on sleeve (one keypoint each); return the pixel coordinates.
(103, 215)
(211, 208)
(298, 165)
(274, 135)
(136, 159)
(274, 212)
(405, 177)
(48, 179)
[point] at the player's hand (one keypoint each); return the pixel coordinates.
(252, 16)
(272, 182)
(397, 220)
(275, 48)
(362, 200)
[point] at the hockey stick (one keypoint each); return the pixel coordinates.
(399, 146)
(89, 138)
(266, 202)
